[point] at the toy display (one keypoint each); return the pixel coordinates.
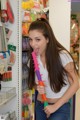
(31, 10)
(27, 108)
(75, 39)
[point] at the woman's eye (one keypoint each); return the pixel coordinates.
(30, 39)
(37, 39)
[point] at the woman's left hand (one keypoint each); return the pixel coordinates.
(50, 109)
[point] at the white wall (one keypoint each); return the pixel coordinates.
(59, 17)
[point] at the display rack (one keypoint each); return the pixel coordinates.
(9, 93)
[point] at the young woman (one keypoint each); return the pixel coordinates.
(58, 73)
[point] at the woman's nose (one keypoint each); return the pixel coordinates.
(32, 43)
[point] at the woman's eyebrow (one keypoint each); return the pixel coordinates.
(29, 38)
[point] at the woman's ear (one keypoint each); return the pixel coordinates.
(47, 40)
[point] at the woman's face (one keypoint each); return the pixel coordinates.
(38, 42)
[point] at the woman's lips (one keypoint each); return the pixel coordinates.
(36, 51)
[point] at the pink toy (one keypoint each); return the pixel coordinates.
(39, 77)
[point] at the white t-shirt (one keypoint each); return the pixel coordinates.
(65, 58)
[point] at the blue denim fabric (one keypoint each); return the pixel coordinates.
(63, 113)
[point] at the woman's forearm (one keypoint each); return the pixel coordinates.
(69, 93)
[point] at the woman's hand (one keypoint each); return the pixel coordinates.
(50, 109)
(41, 89)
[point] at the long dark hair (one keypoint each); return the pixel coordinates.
(55, 69)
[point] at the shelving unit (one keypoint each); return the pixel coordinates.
(9, 92)
(6, 94)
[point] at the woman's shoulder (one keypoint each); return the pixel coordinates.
(63, 52)
(65, 57)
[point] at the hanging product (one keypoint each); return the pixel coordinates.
(4, 16)
(12, 50)
(8, 33)
(4, 61)
(24, 29)
(5, 69)
(27, 4)
(10, 12)
(26, 16)
(3, 42)
(27, 108)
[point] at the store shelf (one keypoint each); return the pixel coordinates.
(6, 94)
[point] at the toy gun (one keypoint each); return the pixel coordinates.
(39, 77)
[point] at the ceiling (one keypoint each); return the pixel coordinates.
(75, 6)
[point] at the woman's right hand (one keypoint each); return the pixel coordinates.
(41, 89)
